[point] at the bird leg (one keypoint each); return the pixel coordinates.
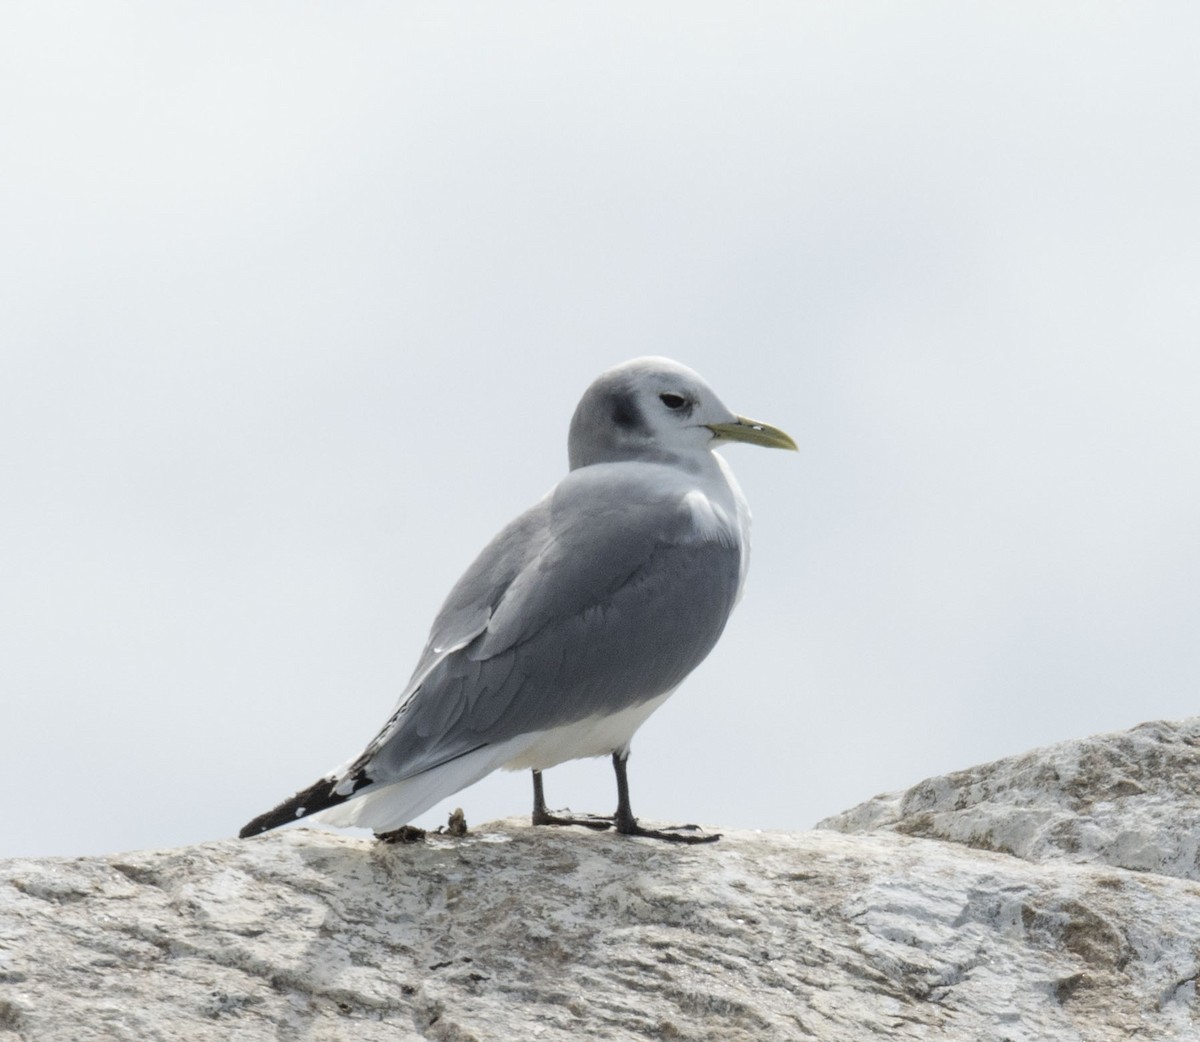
(541, 816)
(627, 824)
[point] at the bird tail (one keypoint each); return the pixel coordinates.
(383, 804)
(388, 806)
(319, 796)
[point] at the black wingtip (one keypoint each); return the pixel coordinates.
(317, 797)
(254, 828)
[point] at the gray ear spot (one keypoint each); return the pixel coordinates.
(625, 412)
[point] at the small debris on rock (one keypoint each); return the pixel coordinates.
(457, 825)
(404, 834)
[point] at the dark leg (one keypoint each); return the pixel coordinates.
(627, 824)
(541, 816)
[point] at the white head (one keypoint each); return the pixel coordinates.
(654, 409)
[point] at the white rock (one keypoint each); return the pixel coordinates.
(893, 928)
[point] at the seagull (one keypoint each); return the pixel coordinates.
(577, 621)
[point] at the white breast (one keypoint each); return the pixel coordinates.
(742, 510)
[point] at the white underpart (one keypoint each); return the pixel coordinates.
(391, 806)
(595, 736)
(742, 510)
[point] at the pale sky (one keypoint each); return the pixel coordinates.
(298, 300)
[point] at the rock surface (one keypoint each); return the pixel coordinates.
(1130, 800)
(1048, 896)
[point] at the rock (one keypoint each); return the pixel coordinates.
(1130, 800)
(994, 904)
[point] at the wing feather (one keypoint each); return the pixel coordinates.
(600, 597)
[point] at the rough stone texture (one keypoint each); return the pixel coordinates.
(874, 932)
(1130, 800)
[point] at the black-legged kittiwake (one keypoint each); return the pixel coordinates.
(578, 620)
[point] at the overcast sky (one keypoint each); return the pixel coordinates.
(297, 301)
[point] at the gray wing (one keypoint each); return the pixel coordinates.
(601, 596)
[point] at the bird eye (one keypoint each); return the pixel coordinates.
(672, 401)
